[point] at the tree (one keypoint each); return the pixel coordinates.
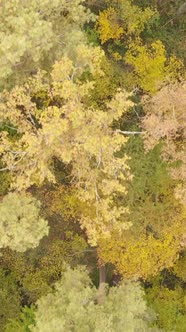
(76, 135)
(20, 224)
(10, 299)
(122, 20)
(179, 268)
(165, 121)
(76, 305)
(37, 269)
(34, 34)
(167, 298)
(157, 235)
(22, 323)
(107, 25)
(151, 66)
(140, 258)
(148, 63)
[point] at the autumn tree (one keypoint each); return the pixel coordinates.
(76, 135)
(151, 66)
(165, 121)
(122, 20)
(34, 34)
(157, 235)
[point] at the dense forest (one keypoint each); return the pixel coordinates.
(92, 166)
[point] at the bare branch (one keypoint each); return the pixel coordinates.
(126, 132)
(10, 127)
(9, 168)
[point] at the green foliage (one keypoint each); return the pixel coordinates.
(155, 238)
(22, 323)
(77, 306)
(169, 304)
(150, 194)
(37, 269)
(92, 36)
(179, 268)
(167, 26)
(9, 298)
(20, 224)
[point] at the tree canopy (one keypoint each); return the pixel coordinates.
(92, 165)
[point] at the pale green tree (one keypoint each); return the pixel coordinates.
(35, 33)
(76, 305)
(21, 227)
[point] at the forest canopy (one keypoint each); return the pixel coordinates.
(92, 165)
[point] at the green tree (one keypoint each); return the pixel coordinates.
(76, 305)
(22, 323)
(36, 270)
(168, 301)
(20, 224)
(10, 299)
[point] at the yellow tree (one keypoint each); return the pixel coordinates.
(151, 66)
(76, 135)
(107, 25)
(141, 257)
(121, 20)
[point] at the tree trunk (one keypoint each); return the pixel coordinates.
(102, 276)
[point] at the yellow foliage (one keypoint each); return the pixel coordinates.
(179, 268)
(148, 64)
(122, 19)
(140, 254)
(107, 25)
(139, 258)
(74, 134)
(116, 56)
(175, 69)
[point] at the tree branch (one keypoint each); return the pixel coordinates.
(126, 132)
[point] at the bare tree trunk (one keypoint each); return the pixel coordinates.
(102, 276)
(101, 293)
